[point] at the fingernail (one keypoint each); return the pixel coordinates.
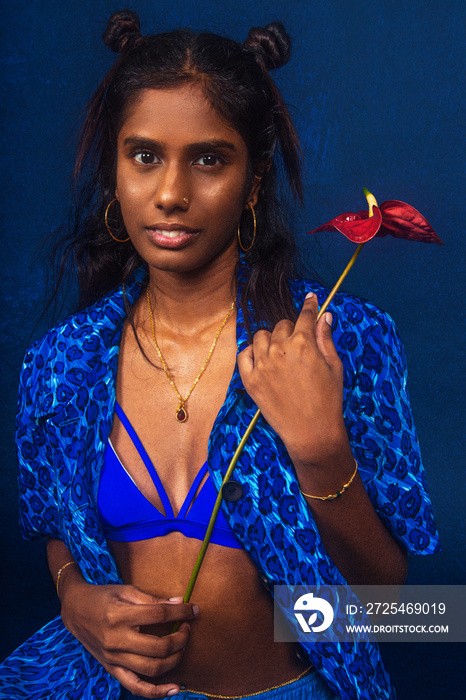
(195, 609)
(310, 295)
(177, 599)
(329, 318)
(173, 691)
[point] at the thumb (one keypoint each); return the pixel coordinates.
(245, 361)
(133, 594)
(325, 341)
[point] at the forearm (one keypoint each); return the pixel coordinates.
(351, 531)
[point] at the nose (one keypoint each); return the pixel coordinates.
(172, 189)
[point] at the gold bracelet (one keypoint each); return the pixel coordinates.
(60, 571)
(332, 496)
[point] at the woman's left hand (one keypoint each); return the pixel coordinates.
(295, 377)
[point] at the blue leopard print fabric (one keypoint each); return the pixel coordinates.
(66, 404)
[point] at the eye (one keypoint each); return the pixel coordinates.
(209, 160)
(145, 158)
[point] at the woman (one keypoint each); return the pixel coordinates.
(192, 320)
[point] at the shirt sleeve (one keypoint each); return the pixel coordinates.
(37, 484)
(381, 429)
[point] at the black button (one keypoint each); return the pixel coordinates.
(265, 582)
(301, 654)
(232, 491)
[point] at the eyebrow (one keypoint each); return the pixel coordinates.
(142, 142)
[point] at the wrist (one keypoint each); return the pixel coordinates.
(328, 476)
(69, 578)
(334, 495)
(333, 452)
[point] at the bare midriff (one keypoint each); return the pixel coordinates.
(231, 650)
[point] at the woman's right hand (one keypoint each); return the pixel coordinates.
(107, 621)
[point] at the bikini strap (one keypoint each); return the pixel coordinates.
(146, 459)
(191, 493)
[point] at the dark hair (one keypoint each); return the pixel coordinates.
(236, 81)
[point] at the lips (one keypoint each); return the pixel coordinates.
(171, 235)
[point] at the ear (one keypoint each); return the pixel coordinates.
(256, 185)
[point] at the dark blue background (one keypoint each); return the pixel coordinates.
(375, 90)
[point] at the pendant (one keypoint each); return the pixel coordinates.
(181, 413)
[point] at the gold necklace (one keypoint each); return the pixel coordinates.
(181, 412)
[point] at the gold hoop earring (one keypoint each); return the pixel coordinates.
(253, 232)
(118, 240)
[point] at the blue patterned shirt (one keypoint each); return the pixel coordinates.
(66, 405)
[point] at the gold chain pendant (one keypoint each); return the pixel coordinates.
(181, 413)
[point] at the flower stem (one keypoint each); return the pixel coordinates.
(339, 282)
(213, 517)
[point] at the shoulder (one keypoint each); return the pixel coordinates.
(348, 310)
(88, 331)
(363, 333)
(78, 334)
(73, 347)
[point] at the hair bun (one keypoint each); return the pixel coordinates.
(272, 43)
(122, 29)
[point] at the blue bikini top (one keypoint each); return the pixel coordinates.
(127, 516)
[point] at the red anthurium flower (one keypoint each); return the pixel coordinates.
(404, 221)
(392, 217)
(357, 226)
